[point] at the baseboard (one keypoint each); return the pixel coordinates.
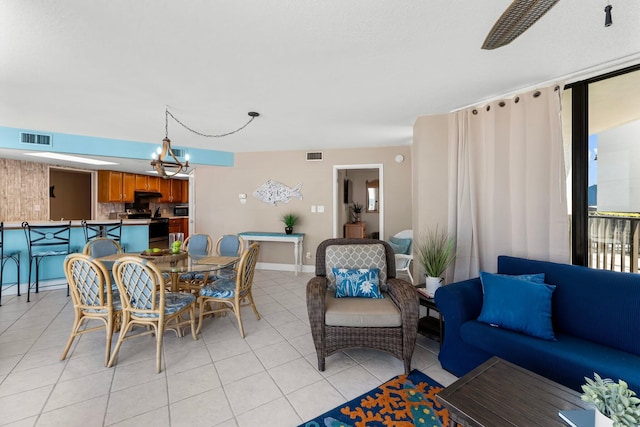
(284, 267)
(45, 285)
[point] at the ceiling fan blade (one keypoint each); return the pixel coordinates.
(518, 17)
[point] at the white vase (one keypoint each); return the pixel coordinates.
(602, 420)
(433, 283)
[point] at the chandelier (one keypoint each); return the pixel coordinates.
(165, 161)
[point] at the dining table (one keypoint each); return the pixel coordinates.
(177, 265)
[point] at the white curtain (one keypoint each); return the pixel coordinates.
(507, 182)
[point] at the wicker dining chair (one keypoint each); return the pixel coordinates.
(229, 294)
(93, 298)
(145, 302)
(197, 245)
(389, 324)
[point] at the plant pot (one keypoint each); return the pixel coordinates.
(433, 283)
(602, 420)
(288, 230)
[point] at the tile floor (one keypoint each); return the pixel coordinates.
(270, 378)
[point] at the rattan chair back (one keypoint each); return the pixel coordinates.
(92, 295)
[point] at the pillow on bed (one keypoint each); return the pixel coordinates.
(360, 283)
(517, 304)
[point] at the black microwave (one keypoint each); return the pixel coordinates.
(181, 210)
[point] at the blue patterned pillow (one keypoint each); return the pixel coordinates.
(361, 283)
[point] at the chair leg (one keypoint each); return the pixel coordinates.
(200, 314)
(124, 329)
(236, 309)
(74, 331)
(253, 305)
(192, 318)
(29, 281)
(1, 274)
(159, 335)
(109, 328)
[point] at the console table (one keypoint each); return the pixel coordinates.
(295, 238)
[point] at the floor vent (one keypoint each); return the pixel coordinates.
(35, 139)
(314, 157)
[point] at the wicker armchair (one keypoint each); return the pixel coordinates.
(393, 332)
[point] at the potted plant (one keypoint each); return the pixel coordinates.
(615, 404)
(436, 250)
(289, 221)
(356, 210)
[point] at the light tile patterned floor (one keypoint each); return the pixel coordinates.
(270, 378)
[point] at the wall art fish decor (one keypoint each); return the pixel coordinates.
(273, 192)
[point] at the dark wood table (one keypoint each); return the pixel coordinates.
(428, 325)
(499, 393)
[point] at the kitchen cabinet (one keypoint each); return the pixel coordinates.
(115, 186)
(172, 191)
(179, 225)
(147, 183)
(185, 190)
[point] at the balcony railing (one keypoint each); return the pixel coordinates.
(613, 241)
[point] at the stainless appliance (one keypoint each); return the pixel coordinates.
(158, 227)
(181, 210)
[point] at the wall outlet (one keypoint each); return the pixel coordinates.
(308, 255)
(36, 208)
(320, 208)
(313, 208)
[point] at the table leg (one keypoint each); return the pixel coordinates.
(296, 256)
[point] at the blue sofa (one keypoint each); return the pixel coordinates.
(595, 317)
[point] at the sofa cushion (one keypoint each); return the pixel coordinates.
(567, 360)
(517, 304)
(596, 305)
(400, 245)
(362, 312)
(356, 256)
(359, 283)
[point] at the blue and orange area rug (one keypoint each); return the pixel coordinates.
(403, 401)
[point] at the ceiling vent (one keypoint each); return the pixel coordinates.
(35, 139)
(179, 152)
(314, 157)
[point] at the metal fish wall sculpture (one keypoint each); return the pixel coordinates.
(273, 192)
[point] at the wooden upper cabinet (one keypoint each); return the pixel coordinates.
(153, 183)
(165, 189)
(176, 191)
(128, 187)
(115, 186)
(185, 191)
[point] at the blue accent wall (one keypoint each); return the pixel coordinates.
(91, 145)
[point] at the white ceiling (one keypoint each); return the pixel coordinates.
(322, 74)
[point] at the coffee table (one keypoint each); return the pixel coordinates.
(499, 393)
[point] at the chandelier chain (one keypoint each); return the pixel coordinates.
(166, 126)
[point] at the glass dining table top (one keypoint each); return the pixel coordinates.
(180, 264)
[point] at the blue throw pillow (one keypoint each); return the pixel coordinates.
(400, 246)
(516, 304)
(535, 277)
(362, 283)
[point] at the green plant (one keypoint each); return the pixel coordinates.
(290, 219)
(436, 251)
(613, 400)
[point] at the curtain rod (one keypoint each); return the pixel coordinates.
(584, 74)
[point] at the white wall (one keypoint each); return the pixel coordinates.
(619, 169)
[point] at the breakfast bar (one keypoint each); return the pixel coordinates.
(135, 237)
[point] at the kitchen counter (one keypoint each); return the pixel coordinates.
(74, 223)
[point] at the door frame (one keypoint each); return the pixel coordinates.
(336, 202)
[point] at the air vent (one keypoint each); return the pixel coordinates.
(35, 139)
(179, 152)
(314, 157)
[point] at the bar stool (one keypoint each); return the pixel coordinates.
(45, 241)
(111, 230)
(6, 256)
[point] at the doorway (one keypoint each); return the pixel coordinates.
(349, 186)
(69, 194)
